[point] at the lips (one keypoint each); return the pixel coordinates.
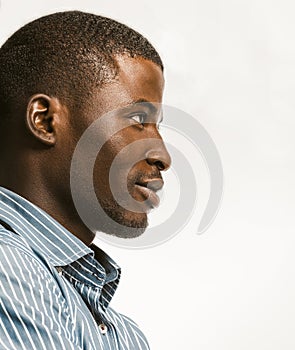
(148, 188)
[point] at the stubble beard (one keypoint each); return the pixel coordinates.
(132, 224)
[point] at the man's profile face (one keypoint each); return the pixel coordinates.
(136, 152)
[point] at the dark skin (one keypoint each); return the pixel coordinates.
(41, 149)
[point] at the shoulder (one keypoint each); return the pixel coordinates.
(34, 313)
(11, 239)
(27, 284)
(19, 264)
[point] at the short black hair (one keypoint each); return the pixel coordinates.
(64, 55)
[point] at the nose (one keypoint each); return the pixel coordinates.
(159, 157)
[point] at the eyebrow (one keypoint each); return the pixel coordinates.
(151, 107)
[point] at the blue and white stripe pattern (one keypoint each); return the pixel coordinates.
(54, 290)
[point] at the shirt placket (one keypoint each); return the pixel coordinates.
(89, 285)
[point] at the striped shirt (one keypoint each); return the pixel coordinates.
(54, 290)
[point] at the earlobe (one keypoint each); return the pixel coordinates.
(40, 118)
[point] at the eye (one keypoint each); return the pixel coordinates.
(139, 118)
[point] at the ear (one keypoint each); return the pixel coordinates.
(42, 112)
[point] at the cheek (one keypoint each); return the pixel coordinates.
(109, 151)
(104, 161)
(123, 149)
(118, 159)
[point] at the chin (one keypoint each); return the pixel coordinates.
(132, 224)
(126, 232)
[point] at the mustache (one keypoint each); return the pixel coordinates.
(143, 176)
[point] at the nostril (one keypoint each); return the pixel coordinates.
(160, 165)
(161, 159)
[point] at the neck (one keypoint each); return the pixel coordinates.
(17, 179)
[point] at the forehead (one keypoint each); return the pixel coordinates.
(137, 79)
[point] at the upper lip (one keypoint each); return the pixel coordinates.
(153, 184)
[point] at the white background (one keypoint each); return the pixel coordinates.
(231, 64)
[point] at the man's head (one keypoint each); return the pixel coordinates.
(66, 54)
(59, 74)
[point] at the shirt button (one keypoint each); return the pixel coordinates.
(103, 328)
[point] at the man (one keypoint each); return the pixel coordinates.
(58, 75)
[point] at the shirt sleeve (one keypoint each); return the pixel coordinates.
(31, 315)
